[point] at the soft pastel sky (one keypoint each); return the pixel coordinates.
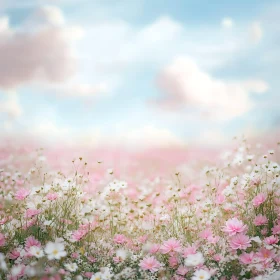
(139, 71)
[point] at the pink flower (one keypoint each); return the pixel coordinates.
(271, 240)
(31, 212)
(217, 258)
(264, 231)
(150, 263)
(234, 226)
(31, 241)
(154, 248)
(2, 239)
(260, 220)
(247, 258)
(171, 246)
(18, 271)
(88, 274)
(21, 194)
(119, 239)
(173, 261)
(240, 241)
(52, 196)
(182, 270)
(143, 239)
(205, 233)
(14, 254)
(191, 250)
(259, 199)
(4, 220)
(75, 255)
(276, 229)
(264, 254)
(79, 234)
(91, 259)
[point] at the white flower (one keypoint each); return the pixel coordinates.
(3, 265)
(201, 275)
(55, 250)
(72, 267)
(121, 253)
(194, 259)
(107, 275)
(96, 276)
(36, 251)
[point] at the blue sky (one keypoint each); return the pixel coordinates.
(156, 72)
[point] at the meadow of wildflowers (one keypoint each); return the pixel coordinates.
(194, 220)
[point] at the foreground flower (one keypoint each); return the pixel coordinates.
(96, 276)
(260, 220)
(36, 251)
(201, 274)
(240, 241)
(234, 226)
(259, 199)
(194, 259)
(72, 267)
(171, 246)
(150, 263)
(55, 250)
(247, 258)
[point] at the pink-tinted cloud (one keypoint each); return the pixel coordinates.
(185, 86)
(38, 50)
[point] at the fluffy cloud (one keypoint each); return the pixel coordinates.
(186, 86)
(39, 49)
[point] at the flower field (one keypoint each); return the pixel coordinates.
(215, 217)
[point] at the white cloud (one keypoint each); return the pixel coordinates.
(46, 15)
(117, 47)
(186, 86)
(227, 22)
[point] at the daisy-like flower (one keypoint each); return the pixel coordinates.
(96, 276)
(36, 251)
(234, 226)
(194, 259)
(259, 199)
(201, 274)
(55, 250)
(171, 246)
(119, 239)
(260, 220)
(150, 263)
(72, 267)
(240, 241)
(247, 258)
